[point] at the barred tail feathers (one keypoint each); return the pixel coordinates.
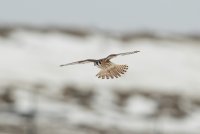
(112, 72)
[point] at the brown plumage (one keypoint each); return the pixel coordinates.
(112, 71)
(108, 69)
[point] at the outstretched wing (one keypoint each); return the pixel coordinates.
(79, 62)
(122, 54)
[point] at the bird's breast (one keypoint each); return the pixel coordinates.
(103, 64)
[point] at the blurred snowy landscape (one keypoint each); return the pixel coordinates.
(160, 93)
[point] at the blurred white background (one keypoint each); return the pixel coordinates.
(158, 95)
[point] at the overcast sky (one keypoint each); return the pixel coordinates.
(160, 15)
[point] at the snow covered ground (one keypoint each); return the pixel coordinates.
(159, 93)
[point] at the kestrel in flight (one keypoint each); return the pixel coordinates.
(108, 68)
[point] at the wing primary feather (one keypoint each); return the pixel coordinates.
(79, 62)
(122, 54)
(127, 53)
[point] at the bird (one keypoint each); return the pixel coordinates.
(108, 68)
